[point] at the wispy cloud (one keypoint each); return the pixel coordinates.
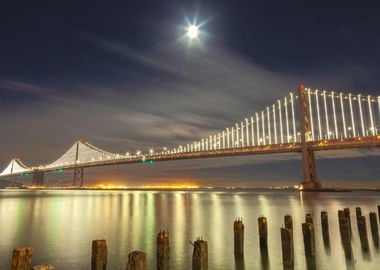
(22, 87)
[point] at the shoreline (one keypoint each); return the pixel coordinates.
(194, 189)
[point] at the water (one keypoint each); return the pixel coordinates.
(60, 226)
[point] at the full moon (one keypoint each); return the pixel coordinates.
(192, 31)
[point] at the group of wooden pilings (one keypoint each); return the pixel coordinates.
(346, 229)
(136, 259)
(22, 257)
(308, 232)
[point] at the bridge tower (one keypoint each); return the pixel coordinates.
(310, 178)
(12, 178)
(78, 171)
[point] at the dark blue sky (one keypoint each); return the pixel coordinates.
(119, 74)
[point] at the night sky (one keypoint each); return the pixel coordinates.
(121, 75)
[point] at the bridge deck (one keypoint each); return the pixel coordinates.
(338, 144)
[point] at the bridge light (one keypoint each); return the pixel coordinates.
(138, 153)
(151, 151)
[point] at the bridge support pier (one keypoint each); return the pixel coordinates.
(12, 180)
(310, 179)
(78, 177)
(78, 171)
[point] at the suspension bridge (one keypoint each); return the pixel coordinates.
(303, 122)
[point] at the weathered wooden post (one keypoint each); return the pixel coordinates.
(200, 255)
(374, 228)
(341, 214)
(287, 246)
(288, 222)
(378, 211)
(358, 212)
(99, 255)
(163, 250)
(309, 218)
(347, 215)
(22, 258)
(43, 267)
(325, 227)
(238, 237)
(345, 235)
(308, 239)
(136, 260)
(263, 232)
(362, 227)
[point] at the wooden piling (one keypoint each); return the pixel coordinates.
(374, 228)
(288, 222)
(325, 227)
(99, 255)
(362, 227)
(238, 237)
(22, 258)
(136, 260)
(263, 232)
(287, 246)
(358, 212)
(43, 267)
(200, 255)
(347, 215)
(345, 235)
(308, 239)
(309, 218)
(341, 214)
(163, 250)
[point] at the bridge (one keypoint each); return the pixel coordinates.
(303, 122)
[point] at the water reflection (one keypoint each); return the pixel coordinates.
(239, 262)
(264, 259)
(60, 226)
(311, 263)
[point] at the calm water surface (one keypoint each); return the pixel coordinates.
(60, 226)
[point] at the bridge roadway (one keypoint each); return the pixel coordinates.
(335, 144)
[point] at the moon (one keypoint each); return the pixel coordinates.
(192, 31)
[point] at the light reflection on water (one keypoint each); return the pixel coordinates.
(60, 226)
